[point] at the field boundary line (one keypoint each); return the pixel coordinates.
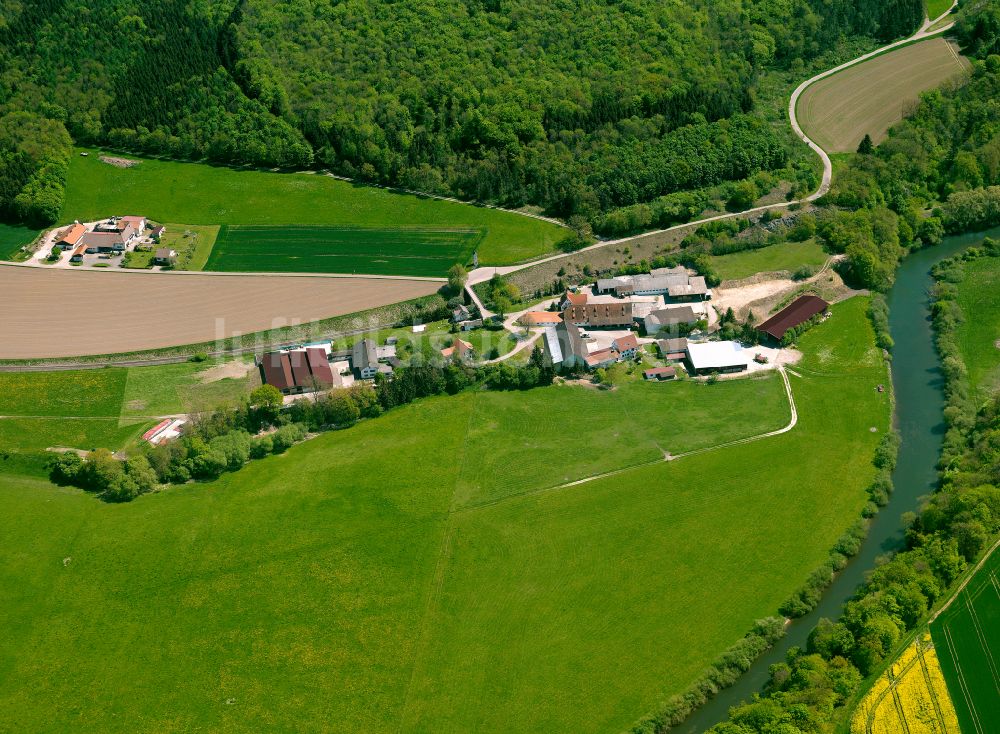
(929, 684)
(968, 578)
(961, 680)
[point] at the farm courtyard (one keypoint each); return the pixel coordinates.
(430, 570)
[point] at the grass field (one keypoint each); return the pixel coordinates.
(200, 194)
(12, 238)
(936, 8)
(967, 637)
(785, 256)
(437, 335)
(979, 334)
(107, 408)
(394, 251)
(397, 577)
(838, 111)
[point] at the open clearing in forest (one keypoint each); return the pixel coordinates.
(979, 333)
(967, 637)
(392, 251)
(64, 313)
(870, 97)
(420, 572)
(195, 193)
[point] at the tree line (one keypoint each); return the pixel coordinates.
(578, 108)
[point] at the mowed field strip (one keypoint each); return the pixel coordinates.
(420, 251)
(66, 313)
(838, 111)
(967, 637)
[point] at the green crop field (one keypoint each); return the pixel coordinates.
(194, 193)
(979, 333)
(72, 393)
(12, 238)
(967, 639)
(870, 97)
(785, 256)
(396, 251)
(420, 572)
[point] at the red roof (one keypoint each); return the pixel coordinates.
(320, 366)
(157, 428)
(577, 299)
(657, 371)
(72, 235)
(625, 343)
(797, 312)
(277, 370)
(300, 368)
(537, 318)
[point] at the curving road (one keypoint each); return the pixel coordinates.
(485, 273)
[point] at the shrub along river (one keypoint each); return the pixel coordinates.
(917, 382)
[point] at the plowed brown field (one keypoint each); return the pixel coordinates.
(65, 313)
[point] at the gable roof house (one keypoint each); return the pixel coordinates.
(665, 318)
(626, 346)
(673, 349)
(460, 314)
(165, 256)
(70, 238)
(660, 374)
(583, 310)
(103, 242)
(794, 314)
(458, 351)
(364, 359)
(601, 358)
(539, 318)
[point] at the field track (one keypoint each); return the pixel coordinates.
(871, 97)
(66, 313)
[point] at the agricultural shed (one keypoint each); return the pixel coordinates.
(794, 314)
(320, 366)
(277, 370)
(659, 374)
(716, 357)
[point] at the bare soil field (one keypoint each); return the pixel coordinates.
(65, 313)
(869, 98)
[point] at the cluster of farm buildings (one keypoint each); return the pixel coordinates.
(112, 237)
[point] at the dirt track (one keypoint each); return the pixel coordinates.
(63, 313)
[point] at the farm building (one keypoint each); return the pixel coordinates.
(673, 282)
(659, 374)
(364, 359)
(70, 238)
(606, 311)
(794, 314)
(564, 346)
(669, 318)
(708, 357)
(165, 256)
(539, 318)
(694, 290)
(298, 370)
(601, 358)
(673, 349)
(459, 351)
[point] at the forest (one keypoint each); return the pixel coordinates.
(576, 106)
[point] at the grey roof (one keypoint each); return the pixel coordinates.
(679, 270)
(553, 346)
(696, 287)
(675, 315)
(364, 355)
(672, 346)
(607, 284)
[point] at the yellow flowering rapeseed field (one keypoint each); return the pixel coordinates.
(909, 698)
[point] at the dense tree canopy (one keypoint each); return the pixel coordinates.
(579, 106)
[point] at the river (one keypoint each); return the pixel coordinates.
(917, 382)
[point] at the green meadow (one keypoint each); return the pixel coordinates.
(979, 333)
(424, 572)
(12, 238)
(200, 194)
(785, 256)
(967, 637)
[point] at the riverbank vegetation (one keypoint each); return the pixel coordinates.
(953, 527)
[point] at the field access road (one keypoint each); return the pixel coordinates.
(927, 30)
